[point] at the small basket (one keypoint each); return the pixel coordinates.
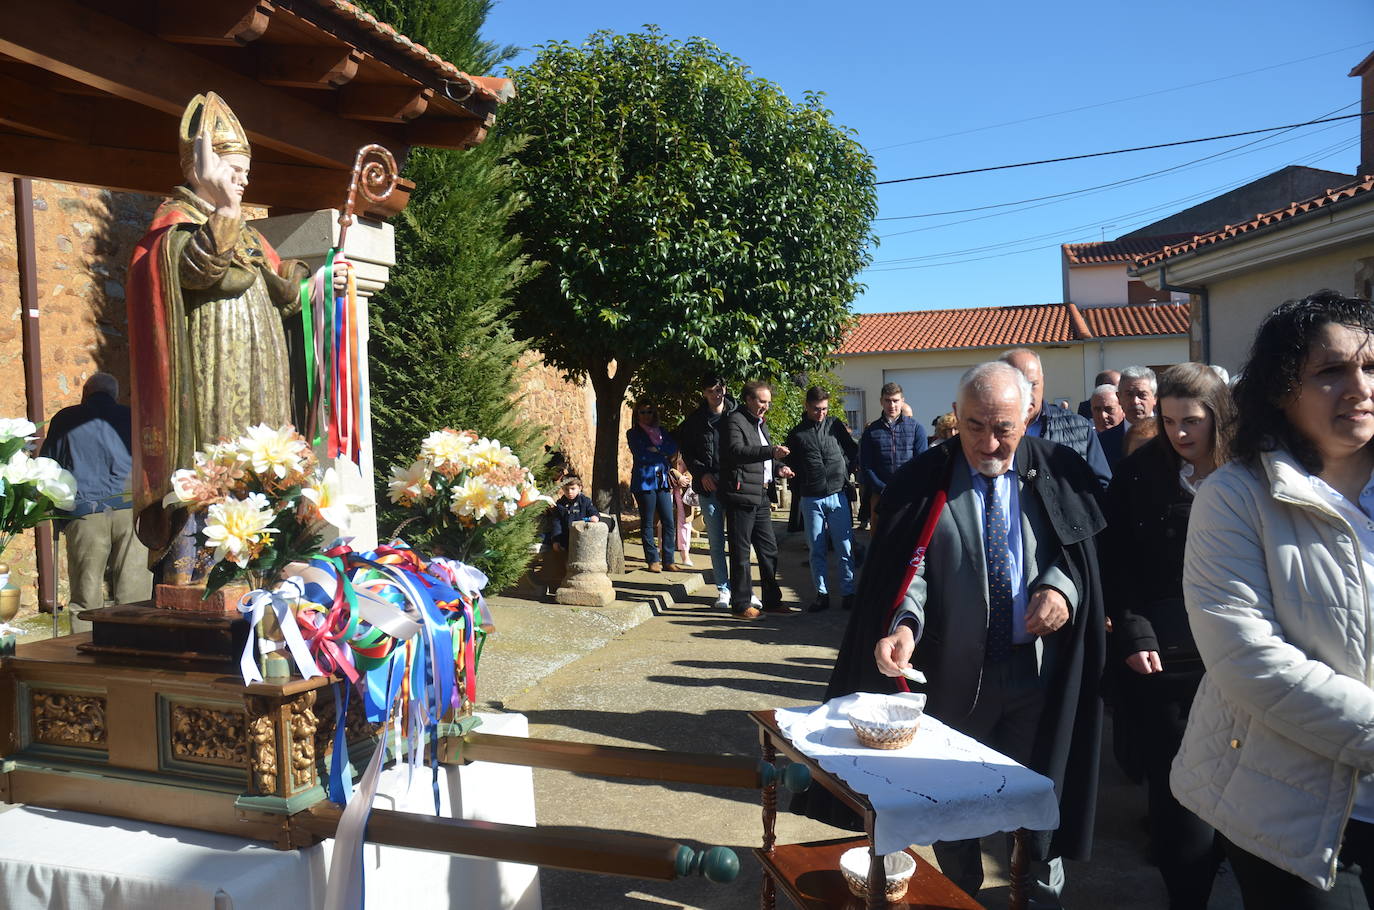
(887, 724)
(899, 867)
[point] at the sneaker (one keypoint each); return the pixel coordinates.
(756, 603)
(822, 602)
(722, 600)
(655, 567)
(847, 603)
(748, 613)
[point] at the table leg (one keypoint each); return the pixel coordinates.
(1020, 870)
(767, 891)
(877, 879)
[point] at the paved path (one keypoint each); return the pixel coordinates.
(681, 675)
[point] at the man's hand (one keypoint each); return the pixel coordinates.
(785, 472)
(708, 482)
(781, 452)
(1046, 611)
(1145, 662)
(894, 652)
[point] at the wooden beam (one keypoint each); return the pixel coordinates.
(383, 103)
(446, 134)
(73, 41)
(41, 112)
(300, 66)
(222, 22)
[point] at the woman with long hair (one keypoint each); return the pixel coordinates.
(1278, 755)
(1157, 667)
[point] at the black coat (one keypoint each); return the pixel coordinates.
(698, 438)
(742, 458)
(1068, 743)
(822, 456)
(1142, 556)
(565, 512)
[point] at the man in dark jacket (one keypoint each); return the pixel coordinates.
(746, 462)
(888, 443)
(698, 439)
(1003, 615)
(92, 440)
(1049, 421)
(822, 454)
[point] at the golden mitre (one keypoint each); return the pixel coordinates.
(209, 113)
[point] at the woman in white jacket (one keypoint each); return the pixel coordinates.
(1279, 751)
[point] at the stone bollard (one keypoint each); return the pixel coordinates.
(587, 584)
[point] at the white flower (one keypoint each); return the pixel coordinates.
(446, 447)
(269, 450)
(16, 428)
(411, 484)
(54, 482)
(19, 469)
(237, 527)
(475, 500)
(489, 452)
(183, 487)
(335, 494)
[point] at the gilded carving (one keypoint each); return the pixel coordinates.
(68, 719)
(303, 725)
(357, 728)
(262, 738)
(204, 734)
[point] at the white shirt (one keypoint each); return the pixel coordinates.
(767, 462)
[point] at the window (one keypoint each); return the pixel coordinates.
(854, 410)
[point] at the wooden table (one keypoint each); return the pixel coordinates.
(809, 874)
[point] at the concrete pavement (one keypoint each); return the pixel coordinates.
(664, 669)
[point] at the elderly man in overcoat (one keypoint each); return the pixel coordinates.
(1004, 615)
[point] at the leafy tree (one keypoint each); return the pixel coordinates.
(442, 350)
(789, 400)
(692, 218)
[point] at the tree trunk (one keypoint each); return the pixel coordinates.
(610, 395)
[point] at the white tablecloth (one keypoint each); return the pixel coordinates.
(57, 859)
(943, 786)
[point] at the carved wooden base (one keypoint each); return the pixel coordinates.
(192, 599)
(148, 633)
(174, 745)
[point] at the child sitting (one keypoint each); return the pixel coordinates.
(572, 506)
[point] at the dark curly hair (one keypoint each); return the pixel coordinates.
(1274, 372)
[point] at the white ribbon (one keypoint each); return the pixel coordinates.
(7, 629)
(254, 604)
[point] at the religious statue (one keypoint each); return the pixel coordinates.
(207, 296)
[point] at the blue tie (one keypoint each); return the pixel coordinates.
(999, 576)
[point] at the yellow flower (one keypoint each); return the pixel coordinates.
(409, 485)
(237, 528)
(473, 499)
(334, 494)
(446, 447)
(272, 451)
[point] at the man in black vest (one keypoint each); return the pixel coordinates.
(747, 457)
(822, 456)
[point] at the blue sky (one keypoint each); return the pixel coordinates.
(935, 87)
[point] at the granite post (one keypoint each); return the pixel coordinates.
(587, 584)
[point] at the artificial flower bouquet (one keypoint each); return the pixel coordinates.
(31, 488)
(265, 503)
(460, 485)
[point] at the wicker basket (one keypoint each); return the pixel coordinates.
(886, 724)
(899, 868)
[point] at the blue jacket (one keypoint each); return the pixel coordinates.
(886, 447)
(566, 511)
(1068, 429)
(650, 470)
(91, 440)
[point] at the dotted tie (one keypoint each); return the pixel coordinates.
(999, 576)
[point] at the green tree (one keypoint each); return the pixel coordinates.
(691, 215)
(442, 350)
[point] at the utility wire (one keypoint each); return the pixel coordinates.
(1100, 186)
(1139, 148)
(1234, 152)
(1089, 107)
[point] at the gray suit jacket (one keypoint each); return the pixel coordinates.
(948, 599)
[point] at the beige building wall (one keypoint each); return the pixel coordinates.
(1239, 304)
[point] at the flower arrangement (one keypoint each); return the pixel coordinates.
(460, 485)
(31, 488)
(265, 502)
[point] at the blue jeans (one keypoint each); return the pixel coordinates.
(660, 503)
(713, 513)
(822, 515)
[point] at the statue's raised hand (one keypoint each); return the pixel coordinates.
(219, 180)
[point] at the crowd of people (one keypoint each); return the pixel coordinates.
(1197, 553)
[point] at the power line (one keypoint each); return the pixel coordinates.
(1139, 148)
(1088, 107)
(1234, 152)
(1100, 186)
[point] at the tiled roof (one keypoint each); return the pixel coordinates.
(1357, 187)
(1128, 249)
(1007, 326)
(489, 88)
(1126, 321)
